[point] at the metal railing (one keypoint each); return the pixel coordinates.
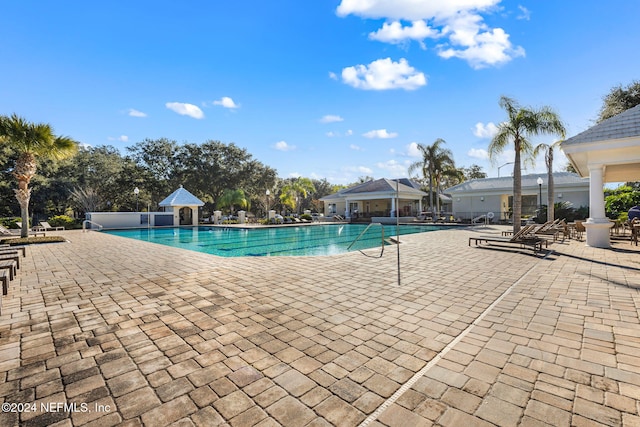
(363, 232)
(86, 221)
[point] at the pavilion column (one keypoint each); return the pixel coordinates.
(393, 207)
(597, 225)
(347, 214)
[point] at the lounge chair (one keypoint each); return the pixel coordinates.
(46, 227)
(523, 238)
(5, 232)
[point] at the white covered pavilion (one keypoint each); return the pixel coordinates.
(606, 152)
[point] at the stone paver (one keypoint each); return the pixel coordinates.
(142, 334)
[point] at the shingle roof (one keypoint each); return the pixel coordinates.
(381, 185)
(488, 184)
(623, 125)
(181, 197)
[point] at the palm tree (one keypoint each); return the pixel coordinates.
(291, 192)
(30, 141)
(548, 160)
(230, 198)
(435, 163)
(522, 123)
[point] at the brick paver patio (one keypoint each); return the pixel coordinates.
(105, 331)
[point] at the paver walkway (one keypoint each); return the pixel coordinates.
(134, 333)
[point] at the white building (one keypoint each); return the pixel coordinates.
(376, 199)
(478, 197)
(180, 208)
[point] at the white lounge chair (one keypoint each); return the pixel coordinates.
(45, 226)
(9, 233)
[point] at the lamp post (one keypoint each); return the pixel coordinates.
(267, 193)
(509, 163)
(136, 191)
(539, 181)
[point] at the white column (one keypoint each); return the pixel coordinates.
(393, 207)
(597, 225)
(419, 206)
(347, 214)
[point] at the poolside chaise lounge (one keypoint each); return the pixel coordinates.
(46, 227)
(8, 233)
(523, 238)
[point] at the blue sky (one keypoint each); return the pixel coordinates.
(322, 89)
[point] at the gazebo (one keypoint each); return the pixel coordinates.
(606, 152)
(184, 206)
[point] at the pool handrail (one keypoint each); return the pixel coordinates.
(365, 230)
(84, 225)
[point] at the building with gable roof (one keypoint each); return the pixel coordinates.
(376, 198)
(476, 197)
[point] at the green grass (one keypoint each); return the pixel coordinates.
(32, 240)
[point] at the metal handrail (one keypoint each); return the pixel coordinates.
(365, 230)
(84, 225)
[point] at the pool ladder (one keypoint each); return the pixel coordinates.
(363, 233)
(86, 221)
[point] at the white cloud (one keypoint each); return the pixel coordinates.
(396, 33)
(485, 131)
(525, 14)
(283, 146)
(380, 133)
(458, 23)
(226, 102)
(483, 49)
(84, 145)
(185, 109)
(331, 134)
(358, 169)
(478, 153)
(413, 151)
(331, 118)
(349, 132)
(355, 147)
(393, 167)
(383, 74)
(121, 138)
(333, 75)
(294, 175)
(135, 113)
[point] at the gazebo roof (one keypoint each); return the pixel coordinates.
(181, 197)
(613, 144)
(623, 125)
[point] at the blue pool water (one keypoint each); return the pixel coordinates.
(271, 241)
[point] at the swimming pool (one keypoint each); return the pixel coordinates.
(307, 240)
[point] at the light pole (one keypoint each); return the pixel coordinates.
(539, 181)
(510, 163)
(267, 193)
(136, 191)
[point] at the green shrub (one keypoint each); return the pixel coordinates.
(61, 221)
(308, 217)
(10, 222)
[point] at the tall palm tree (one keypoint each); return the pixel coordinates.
(522, 123)
(30, 141)
(435, 163)
(547, 149)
